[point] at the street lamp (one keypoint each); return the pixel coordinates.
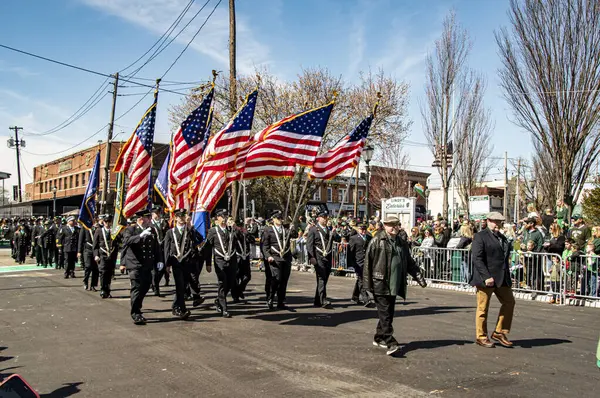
(427, 192)
(54, 201)
(368, 155)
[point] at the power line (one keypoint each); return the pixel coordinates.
(70, 148)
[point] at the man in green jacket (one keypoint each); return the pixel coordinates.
(534, 234)
(387, 264)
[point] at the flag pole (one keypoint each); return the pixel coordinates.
(289, 197)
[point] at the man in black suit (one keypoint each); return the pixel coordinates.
(357, 246)
(69, 238)
(276, 249)
(106, 250)
(85, 253)
(491, 274)
(319, 245)
(141, 253)
(160, 227)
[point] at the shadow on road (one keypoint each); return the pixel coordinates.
(66, 390)
(431, 344)
(2, 359)
(530, 343)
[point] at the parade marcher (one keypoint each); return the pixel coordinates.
(10, 235)
(491, 274)
(387, 264)
(21, 242)
(48, 239)
(245, 243)
(106, 250)
(357, 246)
(318, 246)
(85, 254)
(141, 253)
(221, 241)
(161, 227)
(59, 254)
(265, 264)
(69, 237)
(276, 249)
(36, 243)
(179, 245)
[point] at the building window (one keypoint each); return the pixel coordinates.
(360, 195)
(65, 183)
(83, 179)
(70, 182)
(60, 183)
(317, 195)
(46, 186)
(329, 194)
(76, 180)
(342, 194)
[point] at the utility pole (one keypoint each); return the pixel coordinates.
(17, 145)
(105, 184)
(505, 201)
(517, 196)
(232, 89)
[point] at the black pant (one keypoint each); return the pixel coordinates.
(280, 272)
(192, 277)
(91, 269)
(322, 272)
(244, 275)
(71, 260)
(107, 271)
(48, 254)
(60, 258)
(386, 306)
(226, 276)
(359, 294)
(140, 283)
(179, 279)
(156, 277)
(268, 277)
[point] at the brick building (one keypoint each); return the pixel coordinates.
(70, 175)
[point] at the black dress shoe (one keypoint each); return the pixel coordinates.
(85, 287)
(198, 300)
(226, 314)
(242, 296)
(236, 300)
(270, 304)
(139, 320)
(66, 276)
(141, 316)
(157, 294)
(218, 307)
(326, 304)
(93, 289)
(282, 306)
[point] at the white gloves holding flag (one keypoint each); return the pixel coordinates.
(146, 232)
(160, 266)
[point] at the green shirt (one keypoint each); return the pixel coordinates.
(395, 271)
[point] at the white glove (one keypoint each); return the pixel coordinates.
(97, 259)
(160, 266)
(146, 232)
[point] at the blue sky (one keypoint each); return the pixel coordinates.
(346, 36)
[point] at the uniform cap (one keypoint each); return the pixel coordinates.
(222, 213)
(71, 218)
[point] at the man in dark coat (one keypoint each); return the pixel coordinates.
(85, 253)
(357, 246)
(69, 239)
(318, 246)
(106, 250)
(48, 242)
(221, 241)
(180, 243)
(36, 242)
(22, 240)
(387, 264)
(59, 253)
(245, 243)
(141, 253)
(276, 249)
(161, 227)
(491, 275)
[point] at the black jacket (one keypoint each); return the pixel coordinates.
(67, 239)
(378, 265)
(557, 245)
(37, 232)
(273, 242)
(224, 249)
(188, 243)
(161, 230)
(86, 241)
(48, 238)
(105, 247)
(138, 252)
(357, 247)
(319, 244)
(490, 259)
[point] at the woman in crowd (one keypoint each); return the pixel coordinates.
(466, 238)
(415, 237)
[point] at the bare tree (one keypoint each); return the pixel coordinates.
(551, 78)
(473, 143)
(314, 87)
(389, 177)
(447, 75)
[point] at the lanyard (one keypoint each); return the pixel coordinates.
(177, 244)
(226, 254)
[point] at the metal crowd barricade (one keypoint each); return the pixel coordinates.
(538, 274)
(339, 263)
(580, 277)
(444, 265)
(300, 257)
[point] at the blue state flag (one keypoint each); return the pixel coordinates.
(87, 213)
(161, 186)
(201, 222)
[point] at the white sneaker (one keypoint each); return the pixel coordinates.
(379, 344)
(393, 349)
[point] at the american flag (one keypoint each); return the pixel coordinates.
(344, 155)
(249, 169)
(222, 154)
(211, 186)
(135, 161)
(294, 140)
(187, 147)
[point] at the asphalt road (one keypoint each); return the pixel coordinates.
(68, 342)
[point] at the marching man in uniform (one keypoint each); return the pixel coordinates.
(179, 249)
(276, 249)
(106, 250)
(221, 241)
(85, 253)
(318, 245)
(141, 253)
(68, 239)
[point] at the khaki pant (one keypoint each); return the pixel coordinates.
(505, 296)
